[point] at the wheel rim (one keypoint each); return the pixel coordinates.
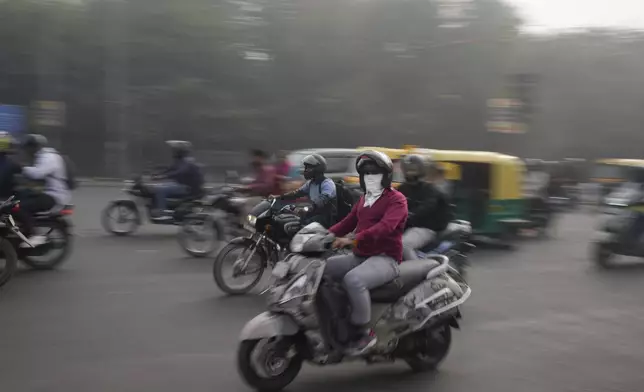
(53, 249)
(199, 236)
(247, 277)
(121, 215)
(266, 359)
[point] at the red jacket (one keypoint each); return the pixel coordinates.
(265, 183)
(379, 228)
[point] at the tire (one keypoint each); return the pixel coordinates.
(602, 255)
(185, 234)
(7, 252)
(218, 266)
(107, 222)
(256, 381)
(51, 264)
(438, 348)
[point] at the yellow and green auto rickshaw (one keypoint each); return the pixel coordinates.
(609, 174)
(486, 188)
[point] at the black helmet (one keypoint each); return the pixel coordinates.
(314, 166)
(34, 141)
(180, 148)
(414, 167)
(375, 161)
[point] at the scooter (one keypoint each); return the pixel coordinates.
(308, 316)
(616, 233)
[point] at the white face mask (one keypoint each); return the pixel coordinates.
(373, 183)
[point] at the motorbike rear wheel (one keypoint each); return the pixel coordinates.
(246, 246)
(8, 253)
(602, 255)
(266, 364)
(37, 260)
(207, 231)
(435, 346)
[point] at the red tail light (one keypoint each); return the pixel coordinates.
(67, 211)
(15, 208)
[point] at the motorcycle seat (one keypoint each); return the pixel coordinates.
(412, 273)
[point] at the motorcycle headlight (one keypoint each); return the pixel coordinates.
(252, 219)
(294, 290)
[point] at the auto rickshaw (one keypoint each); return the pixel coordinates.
(486, 188)
(609, 174)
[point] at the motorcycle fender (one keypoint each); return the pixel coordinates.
(128, 203)
(268, 325)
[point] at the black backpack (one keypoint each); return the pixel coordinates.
(344, 200)
(70, 170)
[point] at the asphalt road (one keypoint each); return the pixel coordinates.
(134, 314)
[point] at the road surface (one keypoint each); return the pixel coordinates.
(134, 314)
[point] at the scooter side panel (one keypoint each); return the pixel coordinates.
(268, 325)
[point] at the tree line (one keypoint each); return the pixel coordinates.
(284, 74)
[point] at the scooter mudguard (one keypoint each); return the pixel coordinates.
(269, 325)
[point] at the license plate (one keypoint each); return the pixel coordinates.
(249, 228)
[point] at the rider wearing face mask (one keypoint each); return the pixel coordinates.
(320, 191)
(429, 210)
(378, 219)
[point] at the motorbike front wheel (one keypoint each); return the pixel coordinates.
(121, 218)
(8, 261)
(268, 365)
(433, 346)
(234, 256)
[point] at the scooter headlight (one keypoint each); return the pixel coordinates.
(298, 242)
(294, 290)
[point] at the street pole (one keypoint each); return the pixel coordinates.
(116, 87)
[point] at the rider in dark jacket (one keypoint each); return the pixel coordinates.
(183, 178)
(320, 191)
(429, 207)
(9, 169)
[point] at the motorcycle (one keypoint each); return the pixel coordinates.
(211, 226)
(271, 225)
(616, 233)
(453, 243)
(7, 250)
(129, 211)
(308, 316)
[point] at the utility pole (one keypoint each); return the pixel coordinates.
(116, 87)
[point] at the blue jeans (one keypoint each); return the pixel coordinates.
(166, 190)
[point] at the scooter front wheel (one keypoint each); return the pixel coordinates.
(269, 365)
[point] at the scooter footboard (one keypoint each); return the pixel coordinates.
(268, 325)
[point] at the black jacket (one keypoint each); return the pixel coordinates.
(8, 172)
(428, 206)
(186, 172)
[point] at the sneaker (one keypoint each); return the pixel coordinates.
(363, 343)
(35, 240)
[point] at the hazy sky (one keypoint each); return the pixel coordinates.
(558, 14)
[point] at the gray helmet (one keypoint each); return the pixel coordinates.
(380, 161)
(34, 141)
(180, 148)
(414, 167)
(314, 166)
